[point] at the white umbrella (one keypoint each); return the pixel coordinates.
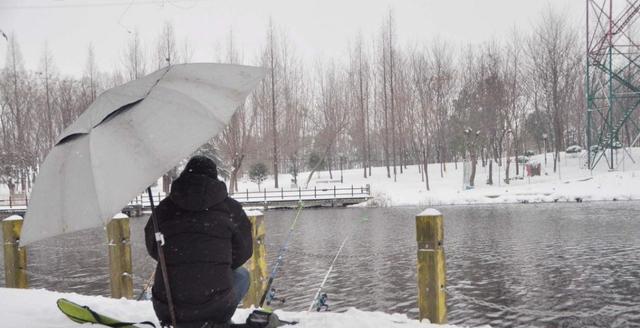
(127, 138)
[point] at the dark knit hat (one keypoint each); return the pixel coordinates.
(202, 165)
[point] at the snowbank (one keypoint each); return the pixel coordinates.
(33, 308)
(571, 182)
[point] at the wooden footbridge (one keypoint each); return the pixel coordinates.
(323, 196)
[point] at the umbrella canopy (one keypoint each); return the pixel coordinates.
(127, 138)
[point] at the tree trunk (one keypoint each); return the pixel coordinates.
(23, 181)
(385, 142)
(364, 125)
(233, 180)
(12, 187)
(555, 160)
(472, 176)
(474, 162)
(294, 161)
(515, 142)
(273, 115)
(506, 170)
(425, 161)
(330, 163)
(490, 179)
(393, 114)
(439, 156)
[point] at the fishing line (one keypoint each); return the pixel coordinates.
(326, 276)
(122, 15)
(281, 252)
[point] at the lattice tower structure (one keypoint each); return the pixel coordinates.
(612, 79)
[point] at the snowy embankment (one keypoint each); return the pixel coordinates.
(571, 182)
(37, 309)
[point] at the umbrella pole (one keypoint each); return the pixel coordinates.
(163, 263)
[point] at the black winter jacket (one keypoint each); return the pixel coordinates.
(207, 235)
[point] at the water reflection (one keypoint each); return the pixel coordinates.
(553, 265)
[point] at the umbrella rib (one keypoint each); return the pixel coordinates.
(133, 103)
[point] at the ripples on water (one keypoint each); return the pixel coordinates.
(546, 265)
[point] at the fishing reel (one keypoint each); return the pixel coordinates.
(272, 297)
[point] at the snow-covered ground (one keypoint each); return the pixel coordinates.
(572, 181)
(31, 308)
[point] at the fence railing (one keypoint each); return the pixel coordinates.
(22, 202)
(320, 193)
(329, 192)
(143, 199)
(15, 201)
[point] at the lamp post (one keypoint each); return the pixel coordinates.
(544, 137)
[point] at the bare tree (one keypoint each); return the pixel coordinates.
(46, 74)
(294, 107)
(271, 53)
(16, 118)
(385, 100)
(332, 117)
(442, 85)
(359, 77)
(555, 61)
(91, 74)
(516, 97)
(133, 57)
(235, 140)
(166, 48)
(392, 95)
(166, 55)
(187, 51)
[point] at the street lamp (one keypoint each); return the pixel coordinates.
(544, 137)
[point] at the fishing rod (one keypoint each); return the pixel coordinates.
(147, 285)
(326, 276)
(281, 252)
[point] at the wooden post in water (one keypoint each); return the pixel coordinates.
(120, 268)
(257, 264)
(431, 266)
(15, 257)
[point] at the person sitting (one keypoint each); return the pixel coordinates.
(207, 240)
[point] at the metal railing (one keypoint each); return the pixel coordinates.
(320, 193)
(329, 192)
(22, 202)
(15, 201)
(143, 199)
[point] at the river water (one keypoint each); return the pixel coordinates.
(541, 265)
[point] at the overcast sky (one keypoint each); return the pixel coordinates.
(318, 29)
